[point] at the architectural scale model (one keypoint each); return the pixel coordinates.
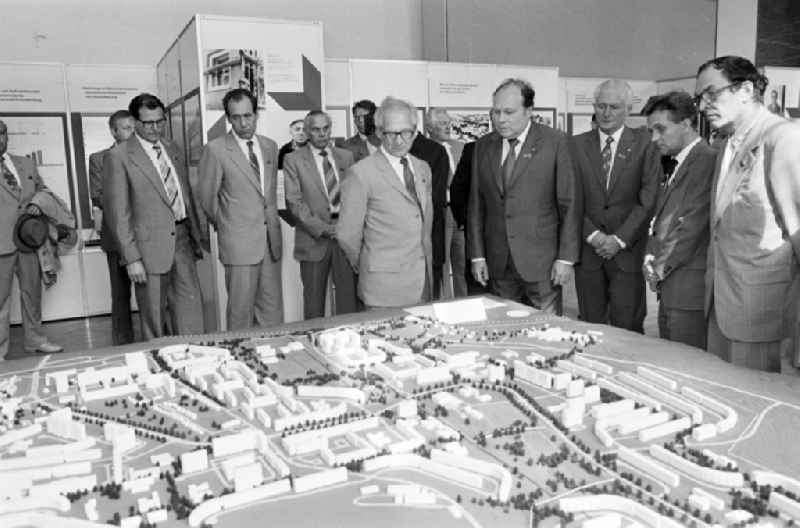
(522, 420)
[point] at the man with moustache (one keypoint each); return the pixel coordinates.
(675, 257)
(753, 277)
(384, 226)
(152, 217)
(313, 179)
(618, 169)
(237, 188)
(524, 209)
(121, 126)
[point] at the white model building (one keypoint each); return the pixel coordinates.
(194, 461)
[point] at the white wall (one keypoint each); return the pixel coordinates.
(139, 31)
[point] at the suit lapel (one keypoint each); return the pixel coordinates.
(526, 153)
(622, 157)
(238, 158)
(140, 159)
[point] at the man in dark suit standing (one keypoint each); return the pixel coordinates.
(675, 257)
(121, 125)
(19, 181)
(313, 178)
(238, 191)
(524, 209)
(364, 143)
(152, 217)
(618, 169)
(435, 156)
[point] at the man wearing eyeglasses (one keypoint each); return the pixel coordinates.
(523, 216)
(237, 189)
(752, 282)
(619, 170)
(386, 215)
(152, 217)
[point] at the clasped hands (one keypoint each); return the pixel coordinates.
(606, 246)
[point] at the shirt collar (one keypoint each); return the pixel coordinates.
(616, 135)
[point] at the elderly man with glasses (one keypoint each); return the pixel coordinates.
(753, 277)
(386, 215)
(152, 217)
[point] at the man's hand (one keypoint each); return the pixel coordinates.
(480, 271)
(97, 217)
(608, 248)
(561, 273)
(136, 272)
(650, 274)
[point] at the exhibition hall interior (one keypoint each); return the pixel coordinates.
(381, 263)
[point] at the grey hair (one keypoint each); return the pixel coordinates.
(393, 103)
(617, 85)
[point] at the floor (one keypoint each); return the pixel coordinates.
(95, 332)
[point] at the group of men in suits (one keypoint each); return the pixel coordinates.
(715, 234)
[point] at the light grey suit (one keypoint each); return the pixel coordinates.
(248, 228)
(385, 234)
(314, 247)
(144, 229)
(752, 279)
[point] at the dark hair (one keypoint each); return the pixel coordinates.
(116, 116)
(145, 100)
(365, 104)
(528, 93)
(738, 70)
(237, 94)
(678, 103)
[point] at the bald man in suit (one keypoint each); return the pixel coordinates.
(384, 227)
(152, 216)
(238, 191)
(313, 178)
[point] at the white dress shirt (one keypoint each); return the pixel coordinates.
(11, 168)
(257, 150)
(394, 161)
(151, 153)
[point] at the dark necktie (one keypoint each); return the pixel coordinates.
(331, 182)
(668, 164)
(508, 164)
(408, 178)
(253, 159)
(7, 175)
(606, 157)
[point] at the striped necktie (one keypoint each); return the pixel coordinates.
(170, 185)
(8, 176)
(331, 182)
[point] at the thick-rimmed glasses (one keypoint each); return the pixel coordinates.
(709, 96)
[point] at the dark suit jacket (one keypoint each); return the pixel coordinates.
(679, 238)
(244, 215)
(138, 211)
(436, 157)
(626, 207)
(537, 220)
(96, 161)
(459, 188)
(307, 199)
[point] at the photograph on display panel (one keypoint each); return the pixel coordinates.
(469, 124)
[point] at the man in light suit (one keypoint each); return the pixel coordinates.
(752, 281)
(524, 209)
(19, 181)
(384, 226)
(237, 188)
(675, 257)
(313, 179)
(152, 217)
(437, 124)
(121, 126)
(364, 143)
(618, 169)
